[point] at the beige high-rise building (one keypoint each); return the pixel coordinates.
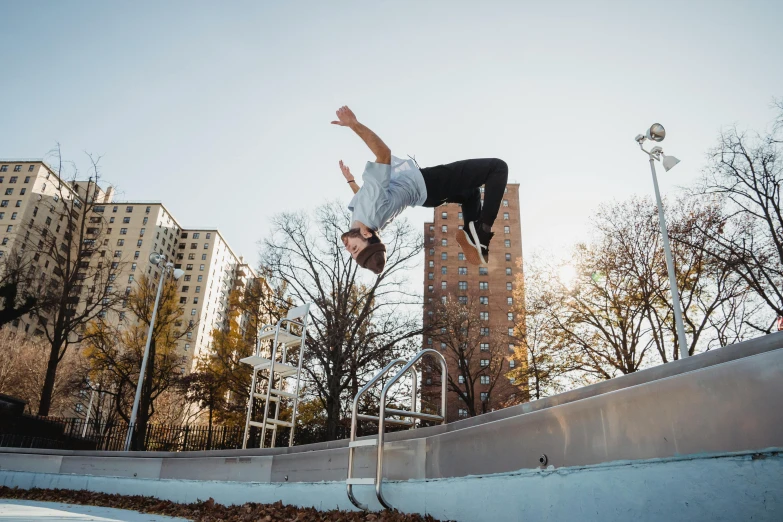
(128, 233)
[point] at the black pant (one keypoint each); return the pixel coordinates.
(459, 182)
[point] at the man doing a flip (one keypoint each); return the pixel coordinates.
(392, 184)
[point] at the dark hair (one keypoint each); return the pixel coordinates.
(355, 232)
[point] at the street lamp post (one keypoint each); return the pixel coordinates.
(657, 133)
(155, 259)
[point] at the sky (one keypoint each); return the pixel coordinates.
(221, 110)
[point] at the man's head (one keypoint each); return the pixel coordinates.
(366, 249)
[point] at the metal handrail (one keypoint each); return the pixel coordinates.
(355, 417)
(382, 420)
(382, 413)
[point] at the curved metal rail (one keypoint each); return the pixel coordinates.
(382, 420)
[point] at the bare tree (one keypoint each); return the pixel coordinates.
(23, 362)
(358, 322)
(66, 232)
(745, 174)
(477, 355)
(17, 273)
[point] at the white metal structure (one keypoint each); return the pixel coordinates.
(382, 420)
(284, 339)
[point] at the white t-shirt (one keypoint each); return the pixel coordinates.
(386, 191)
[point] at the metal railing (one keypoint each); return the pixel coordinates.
(383, 420)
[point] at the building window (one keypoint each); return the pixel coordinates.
(508, 286)
(511, 363)
(118, 253)
(432, 251)
(209, 235)
(206, 246)
(506, 230)
(461, 256)
(130, 278)
(9, 192)
(443, 285)
(484, 395)
(198, 289)
(484, 347)
(430, 276)
(196, 235)
(459, 216)
(148, 210)
(120, 242)
(444, 242)
(508, 271)
(185, 288)
(13, 216)
(510, 301)
(200, 278)
(462, 413)
(191, 257)
(193, 311)
(19, 202)
(463, 285)
(463, 299)
(511, 348)
(507, 243)
(195, 300)
(429, 288)
(484, 380)
(432, 228)
(9, 228)
(4, 203)
(483, 270)
(4, 168)
(484, 300)
(188, 267)
(508, 256)
(201, 268)
(444, 215)
(203, 257)
(18, 168)
(444, 228)
(183, 300)
(187, 277)
(483, 285)
(461, 379)
(144, 221)
(431, 264)
(510, 314)
(444, 256)
(505, 216)
(123, 231)
(505, 202)
(463, 270)
(484, 363)
(138, 243)
(114, 209)
(511, 331)
(484, 316)
(484, 331)
(443, 270)
(128, 209)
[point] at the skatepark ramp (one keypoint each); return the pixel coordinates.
(696, 439)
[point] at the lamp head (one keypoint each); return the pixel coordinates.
(178, 273)
(156, 258)
(669, 162)
(656, 132)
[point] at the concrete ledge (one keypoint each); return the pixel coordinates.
(725, 487)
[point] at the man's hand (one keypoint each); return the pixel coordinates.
(346, 171)
(345, 117)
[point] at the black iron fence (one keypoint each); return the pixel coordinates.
(73, 433)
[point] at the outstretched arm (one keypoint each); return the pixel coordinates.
(349, 177)
(346, 118)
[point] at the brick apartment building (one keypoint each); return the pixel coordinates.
(485, 292)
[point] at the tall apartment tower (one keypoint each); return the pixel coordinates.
(489, 290)
(129, 232)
